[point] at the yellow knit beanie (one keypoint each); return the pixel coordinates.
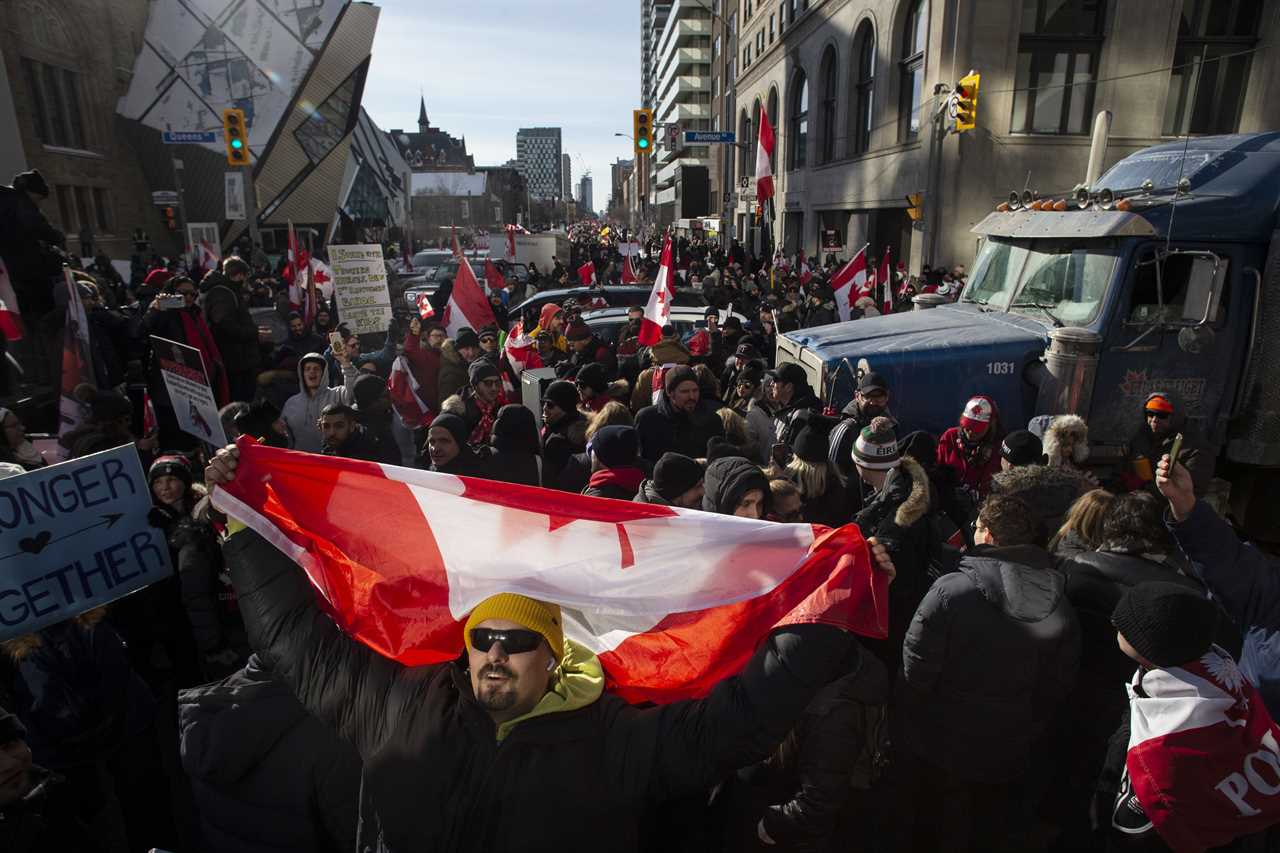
(538, 616)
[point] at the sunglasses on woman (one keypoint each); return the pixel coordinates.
(515, 641)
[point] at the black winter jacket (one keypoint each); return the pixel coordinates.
(567, 781)
(226, 309)
(267, 776)
(661, 429)
(789, 420)
(992, 651)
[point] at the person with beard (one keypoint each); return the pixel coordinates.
(515, 455)
(792, 399)
(299, 340)
(563, 429)
(446, 449)
(491, 351)
(374, 414)
(969, 453)
(680, 421)
(870, 401)
(343, 436)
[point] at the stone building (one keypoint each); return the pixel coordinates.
(850, 90)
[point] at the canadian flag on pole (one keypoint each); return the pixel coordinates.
(468, 307)
(764, 152)
(628, 274)
(848, 283)
(658, 593)
(658, 311)
(511, 244)
(10, 319)
(522, 350)
(587, 273)
(885, 279)
(321, 277)
(407, 396)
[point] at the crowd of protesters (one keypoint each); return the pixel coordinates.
(987, 720)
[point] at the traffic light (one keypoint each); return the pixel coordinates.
(966, 99)
(915, 206)
(236, 136)
(642, 131)
(171, 219)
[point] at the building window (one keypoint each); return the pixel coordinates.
(1057, 66)
(1211, 66)
(55, 100)
(760, 42)
(775, 117)
(747, 151)
(830, 63)
(864, 68)
(715, 48)
(911, 66)
(771, 29)
(798, 125)
(782, 18)
(746, 16)
(66, 212)
(733, 24)
(103, 209)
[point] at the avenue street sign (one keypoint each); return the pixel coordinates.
(702, 137)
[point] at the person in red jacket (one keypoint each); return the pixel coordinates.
(972, 450)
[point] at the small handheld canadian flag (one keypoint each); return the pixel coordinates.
(425, 311)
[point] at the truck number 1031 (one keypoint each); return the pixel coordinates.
(1000, 368)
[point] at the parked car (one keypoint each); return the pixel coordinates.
(607, 323)
(621, 296)
(430, 282)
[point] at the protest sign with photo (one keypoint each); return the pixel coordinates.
(187, 380)
(73, 537)
(360, 285)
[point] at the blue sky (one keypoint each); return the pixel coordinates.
(488, 68)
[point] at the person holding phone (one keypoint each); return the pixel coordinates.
(1164, 417)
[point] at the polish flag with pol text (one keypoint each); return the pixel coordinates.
(658, 310)
(671, 600)
(848, 283)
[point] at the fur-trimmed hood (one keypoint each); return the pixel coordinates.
(916, 505)
(1060, 429)
(21, 647)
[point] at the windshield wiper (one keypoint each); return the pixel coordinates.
(1056, 322)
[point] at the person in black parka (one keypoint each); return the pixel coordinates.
(267, 776)
(680, 422)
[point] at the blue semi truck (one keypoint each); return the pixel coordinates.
(1162, 275)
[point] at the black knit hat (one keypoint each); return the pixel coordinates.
(594, 376)
(456, 426)
(169, 466)
(1021, 447)
(676, 375)
(481, 369)
(466, 338)
(746, 350)
(813, 442)
(367, 390)
(616, 446)
(1167, 623)
(675, 474)
(563, 393)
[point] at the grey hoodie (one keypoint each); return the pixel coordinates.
(302, 411)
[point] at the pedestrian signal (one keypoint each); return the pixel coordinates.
(171, 219)
(966, 102)
(236, 135)
(642, 131)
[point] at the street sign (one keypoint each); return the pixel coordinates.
(164, 198)
(702, 137)
(180, 137)
(744, 182)
(234, 192)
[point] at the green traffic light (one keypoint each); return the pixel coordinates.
(237, 144)
(642, 143)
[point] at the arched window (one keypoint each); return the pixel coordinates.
(747, 150)
(798, 123)
(864, 69)
(911, 65)
(827, 149)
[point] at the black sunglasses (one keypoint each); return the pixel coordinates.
(1160, 416)
(514, 641)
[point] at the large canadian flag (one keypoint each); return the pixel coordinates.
(658, 310)
(468, 307)
(848, 283)
(671, 600)
(764, 151)
(10, 318)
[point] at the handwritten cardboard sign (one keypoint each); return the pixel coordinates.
(73, 537)
(184, 373)
(360, 284)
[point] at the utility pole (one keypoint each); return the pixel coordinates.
(251, 209)
(933, 175)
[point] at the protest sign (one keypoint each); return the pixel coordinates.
(73, 537)
(360, 284)
(187, 380)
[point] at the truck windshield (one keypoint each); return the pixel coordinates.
(1056, 281)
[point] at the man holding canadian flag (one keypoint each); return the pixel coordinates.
(487, 689)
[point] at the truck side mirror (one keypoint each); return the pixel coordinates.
(1204, 289)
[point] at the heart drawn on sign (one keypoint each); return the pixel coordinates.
(35, 544)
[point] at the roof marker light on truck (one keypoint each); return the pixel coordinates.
(1003, 207)
(1082, 196)
(1015, 201)
(1105, 198)
(1123, 204)
(1060, 204)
